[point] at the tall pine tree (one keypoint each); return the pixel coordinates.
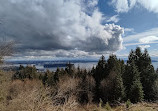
(133, 85)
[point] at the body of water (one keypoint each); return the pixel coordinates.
(82, 64)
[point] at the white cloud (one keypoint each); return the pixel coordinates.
(148, 39)
(151, 5)
(144, 46)
(136, 37)
(121, 5)
(126, 5)
(114, 19)
(128, 29)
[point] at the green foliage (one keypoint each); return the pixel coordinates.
(99, 74)
(100, 71)
(146, 69)
(112, 88)
(119, 90)
(134, 89)
(100, 103)
(110, 81)
(128, 103)
(107, 106)
(113, 64)
(136, 92)
(29, 72)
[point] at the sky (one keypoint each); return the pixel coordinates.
(49, 29)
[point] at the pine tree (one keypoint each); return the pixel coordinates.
(131, 57)
(99, 74)
(112, 88)
(100, 71)
(146, 69)
(148, 76)
(45, 79)
(132, 83)
(119, 90)
(148, 81)
(113, 64)
(136, 91)
(56, 75)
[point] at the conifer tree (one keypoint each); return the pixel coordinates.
(112, 88)
(136, 91)
(119, 89)
(56, 75)
(148, 76)
(146, 69)
(132, 83)
(100, 71)
(113, 64)
(99, 75)
(45, 79)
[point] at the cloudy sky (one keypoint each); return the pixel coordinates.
(46, 29)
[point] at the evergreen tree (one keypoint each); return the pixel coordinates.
(45, 79)
(50, 78)
(21, 67)
(113, 64)
(112, 88)
(136, 91)
(100, 71)
(131, 57)
(132, 83)
(70, 69)
(148, 78)
(147, 74)
(99, 74)
(119, 90)
(56, 75)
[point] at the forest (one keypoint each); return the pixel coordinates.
(112, 81)
(110, 84)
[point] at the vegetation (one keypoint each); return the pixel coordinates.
(6, 49)
(111, 83)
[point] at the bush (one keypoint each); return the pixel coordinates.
(128, 103)
(107, 106)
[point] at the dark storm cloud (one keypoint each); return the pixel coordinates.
(50, 25)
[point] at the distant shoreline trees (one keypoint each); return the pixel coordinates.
(111, 80)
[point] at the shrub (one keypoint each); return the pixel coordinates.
(128, 103)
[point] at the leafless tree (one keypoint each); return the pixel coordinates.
(6, 49)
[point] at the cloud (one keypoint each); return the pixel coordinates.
(114, 19)
(143, 47)
(143, 38)
(136, 37)
(58, 25)
(121, 5)
(148, 39)
(129, 30)
(125, 5)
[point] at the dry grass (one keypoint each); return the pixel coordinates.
(5, 81)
